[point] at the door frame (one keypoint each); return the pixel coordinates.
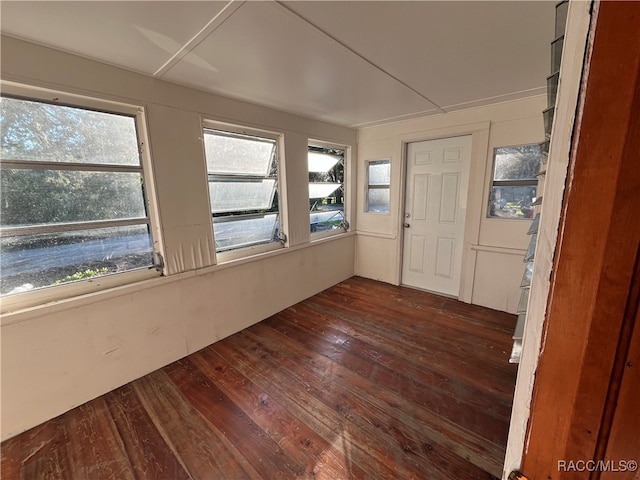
(479, 164)
(597, 315)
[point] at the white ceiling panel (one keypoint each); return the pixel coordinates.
(140, 36)
(267, 55)
(452, 52)
(347, 62)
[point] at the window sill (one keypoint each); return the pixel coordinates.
(18, 307)
(19, 313)
(247, 252)
(328, 234)
(271, 253)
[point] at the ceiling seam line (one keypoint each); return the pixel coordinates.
(221, 17)
(362, 57)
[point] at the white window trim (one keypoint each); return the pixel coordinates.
(252, 250)
(346, 186)
(514, 183)
(369, 187)
(33, 298)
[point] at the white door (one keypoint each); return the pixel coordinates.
(434, 214)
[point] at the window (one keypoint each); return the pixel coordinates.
(72, 193)
(242, 172)
(378, 186)
(326, 189)
(513, 190)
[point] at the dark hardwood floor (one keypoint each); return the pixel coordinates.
(362, 381)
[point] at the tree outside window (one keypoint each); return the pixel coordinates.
(514, 184)
(326, 188)
(72, 199)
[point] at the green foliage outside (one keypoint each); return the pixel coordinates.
(521, 162)
(34, 132)
(83, 275)
(80, 183)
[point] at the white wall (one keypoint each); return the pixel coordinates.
(494, 248)
(59, 355)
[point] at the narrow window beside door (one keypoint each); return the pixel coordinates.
(378, 186)
(514, 185)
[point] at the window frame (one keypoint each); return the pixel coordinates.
(225, 256)
(346, 227)
(41, 296)
(530, 182)
(369, 186)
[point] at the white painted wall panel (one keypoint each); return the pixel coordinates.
(376, 267)
(60, 355)
(445, 249)
(500, 275)
(508, 123)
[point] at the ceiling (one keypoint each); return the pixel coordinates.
(352, 63)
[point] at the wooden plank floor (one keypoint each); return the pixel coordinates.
(362, 381)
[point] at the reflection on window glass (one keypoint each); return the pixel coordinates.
(241, 194)
(517, 163)
(80, 215)
(322, 190)
(514, 184)
(243, 181)
(326, 188)
(34, 131)
(378, 200)
(235, 232)
(378, 188)
(234, 155)
(322, 162)
(512, 202)
(45, 259)
(61, 196)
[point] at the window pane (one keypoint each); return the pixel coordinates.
(512, 202)
(378, 200)
(326, 220)
(534, 225)
(35, 131)
(228, 154)
(380, 172)
(236, 232)
(243, 171)
(240, 195)
(531, 249)
(322, 190)
(31, 197)
(36, 261)
(524, 301)
(326, 188)
(517, 163)
(322, 162)
(528, 274)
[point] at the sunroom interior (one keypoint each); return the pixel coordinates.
(314, 88)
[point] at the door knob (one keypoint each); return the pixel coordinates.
(406, 225)
(407, 215)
